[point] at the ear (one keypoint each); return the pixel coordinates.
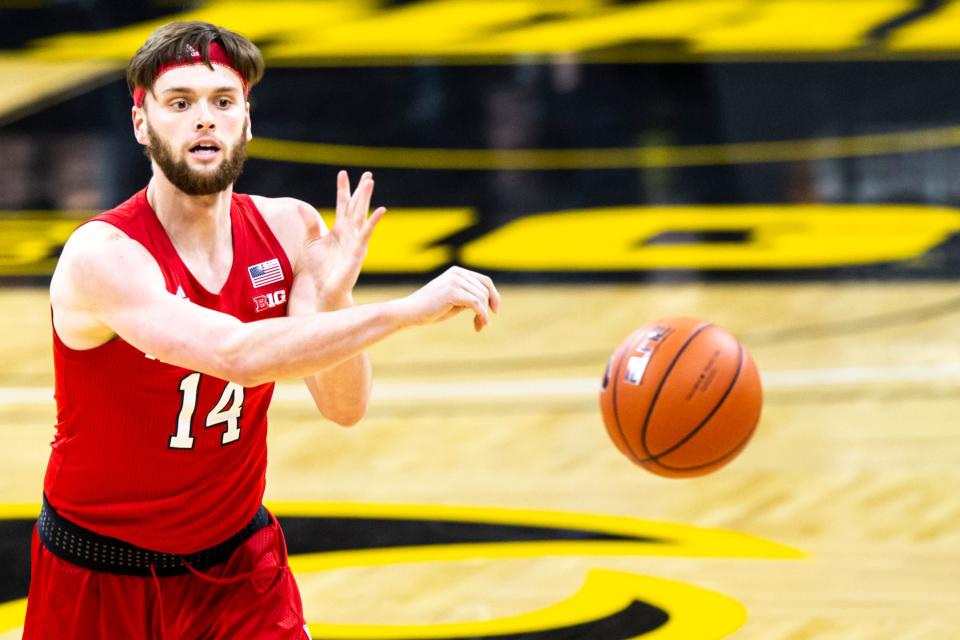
(139, 125)
(249, 124)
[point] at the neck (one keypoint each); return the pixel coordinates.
(192, 222)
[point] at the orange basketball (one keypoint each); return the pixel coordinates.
(681, 397)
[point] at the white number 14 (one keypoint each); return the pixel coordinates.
(227, 410)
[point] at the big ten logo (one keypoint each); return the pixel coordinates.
(610, 604)
(270, 300)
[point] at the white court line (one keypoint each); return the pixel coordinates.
(570, 387)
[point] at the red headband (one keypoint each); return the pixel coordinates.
(218, 56)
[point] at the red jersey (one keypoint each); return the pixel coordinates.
(154, 454)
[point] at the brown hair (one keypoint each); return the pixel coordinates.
(173, 43)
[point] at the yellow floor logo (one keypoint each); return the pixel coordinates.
(610, 604)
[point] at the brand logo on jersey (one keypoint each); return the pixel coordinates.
(265, 273)
(270, 300)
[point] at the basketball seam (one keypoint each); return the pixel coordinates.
(733, 450)
(615, 383)
(706, 419)
(656, 394)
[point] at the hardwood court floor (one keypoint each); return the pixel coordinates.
(854, 464)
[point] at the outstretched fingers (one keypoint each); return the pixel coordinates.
(354, 207)
(360, 200)
(343, 194)
(371, 222)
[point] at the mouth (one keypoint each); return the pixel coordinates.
(205, 150)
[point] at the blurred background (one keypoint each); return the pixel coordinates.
(786, 168)
(475, 115)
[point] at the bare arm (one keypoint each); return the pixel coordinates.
(326, 266)
(342, 392)
(108, 284)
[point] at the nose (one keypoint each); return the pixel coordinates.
(205, 117)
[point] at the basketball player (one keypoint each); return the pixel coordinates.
(173, 314)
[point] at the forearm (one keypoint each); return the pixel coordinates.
(300, 346)
(342, 392)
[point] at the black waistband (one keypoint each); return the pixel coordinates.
(101, 553)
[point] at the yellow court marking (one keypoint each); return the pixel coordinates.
(618, 525)
(448, 27)
(449, 30)
(656, 20)
(799, 25)
(654, 157)
(603, 238)
(31, 238)
(936, 31)
(669, 539)
(29, 84)
(22, 511)
(694, 613)
(776, 237)
(604, 593)
(259, 21)
(700, 541)
(12, 614)
(718, 548)
(407, 239)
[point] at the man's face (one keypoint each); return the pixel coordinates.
(195, 126)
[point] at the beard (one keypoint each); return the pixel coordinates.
(190, 181)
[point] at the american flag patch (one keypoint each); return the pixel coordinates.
(265, 273)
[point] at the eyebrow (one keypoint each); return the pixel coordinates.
(191, 90)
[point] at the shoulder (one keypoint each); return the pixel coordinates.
(99, 254)
(99, 268)
(94, 231)
(98, 239)
(282, 212)
(92, 243)
(282, 215)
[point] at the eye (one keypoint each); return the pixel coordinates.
(179, 104)
(223, 103)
